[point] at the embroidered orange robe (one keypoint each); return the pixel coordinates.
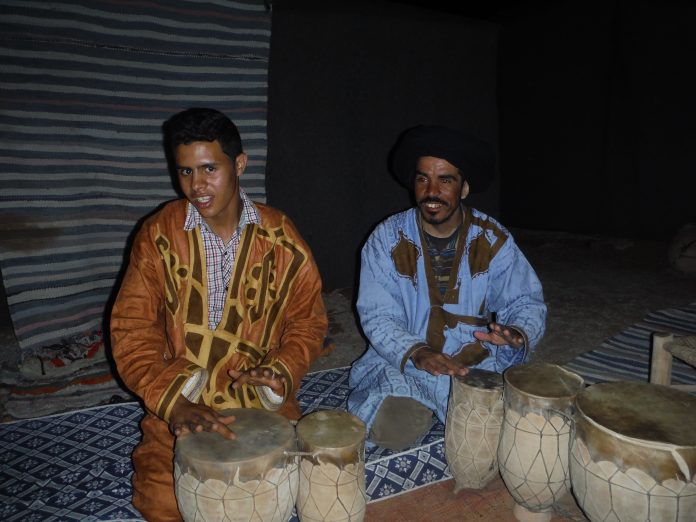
(273, 316)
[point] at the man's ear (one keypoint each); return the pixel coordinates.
(240, 163)
(465, 190)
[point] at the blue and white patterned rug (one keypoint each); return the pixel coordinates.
(77, 466)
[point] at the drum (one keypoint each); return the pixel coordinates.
(472, 430)
(535, 437)
(633, 456)
(332, 467)
(253, 477)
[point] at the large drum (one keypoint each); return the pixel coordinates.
(472, 430)
(253, 477)
(633, 456)
(535, 437)
(332, 467)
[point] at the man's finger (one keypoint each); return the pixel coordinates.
(226, 432)
(227, 419)
(243, 378)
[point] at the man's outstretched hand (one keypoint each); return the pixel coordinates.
(258, 377)
(500, 334)
(437, 363)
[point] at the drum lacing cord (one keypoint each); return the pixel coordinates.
(561, 512)
(298, 453)
(558, 510)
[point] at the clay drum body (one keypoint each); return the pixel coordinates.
(253, 477)
(472, 430)
(633, 456)
(535, 437)
(332, 467)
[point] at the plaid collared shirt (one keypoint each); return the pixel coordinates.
(219, 258)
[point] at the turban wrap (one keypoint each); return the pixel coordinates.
(473, 157)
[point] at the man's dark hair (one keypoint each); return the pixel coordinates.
(199, 124)
(474, 158)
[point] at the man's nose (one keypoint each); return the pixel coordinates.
(432, 189)
(197, 179)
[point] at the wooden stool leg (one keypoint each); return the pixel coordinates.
(661, 359)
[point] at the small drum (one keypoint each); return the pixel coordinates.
(472, 430)
(633, 456)
(535, 437)
(253, 477)
(332, 467)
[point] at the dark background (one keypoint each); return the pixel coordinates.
(589, 104)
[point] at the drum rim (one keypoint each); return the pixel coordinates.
(473, 372)
(666, 446)
(570, 395)
(284, 436)
(354, 439)
(648, 443)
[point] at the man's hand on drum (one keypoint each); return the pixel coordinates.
(258, 377)
(500, 334)
(437, 363)
(187, 417)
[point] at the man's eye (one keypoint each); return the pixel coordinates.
(184, 172)
(209, 168)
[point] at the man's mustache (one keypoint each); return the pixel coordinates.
(431, 200)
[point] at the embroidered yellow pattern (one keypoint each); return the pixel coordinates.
(174, 272)
(258, 293)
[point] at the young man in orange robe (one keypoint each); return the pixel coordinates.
(220, 306)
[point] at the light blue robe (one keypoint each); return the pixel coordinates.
(397, 302)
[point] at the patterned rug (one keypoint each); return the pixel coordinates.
(26, 397)
(76, 466)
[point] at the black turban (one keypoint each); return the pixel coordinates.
(473, 157)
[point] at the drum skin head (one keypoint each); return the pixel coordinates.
(482, 379)
(252, 477)
(259, 432)
(334, 436)
(648, 412)
(638, 426)
(331, 429)
(544, 380)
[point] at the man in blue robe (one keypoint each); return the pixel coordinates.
(443, 288)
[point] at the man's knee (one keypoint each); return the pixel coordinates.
(153, 478)
(156, 503)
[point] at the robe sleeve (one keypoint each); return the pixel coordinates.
(515, 294)
(305, 323)
(380, 304)
(138, 331)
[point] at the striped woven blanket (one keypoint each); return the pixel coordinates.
(86, 85)
(626, 356)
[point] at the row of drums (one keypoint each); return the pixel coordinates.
(316, 466)
(626, 450)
